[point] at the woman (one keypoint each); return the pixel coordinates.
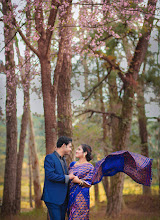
(134, 165)
(78, 207)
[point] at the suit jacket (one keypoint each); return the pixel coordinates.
(55, 189)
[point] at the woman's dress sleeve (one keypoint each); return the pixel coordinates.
(88, 177)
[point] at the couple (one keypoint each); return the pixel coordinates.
(63, 189)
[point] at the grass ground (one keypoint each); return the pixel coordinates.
(137, 207)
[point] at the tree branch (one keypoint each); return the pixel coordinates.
(21, 33)
(51, 22)
(92, 111)
(26, 41)
(97, 85)
(157, 118)
(112, 63)
(39, 20)
(142, 45)
(2, 67)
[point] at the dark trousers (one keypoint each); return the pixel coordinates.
(57, 212)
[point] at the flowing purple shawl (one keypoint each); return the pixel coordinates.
(136, 166)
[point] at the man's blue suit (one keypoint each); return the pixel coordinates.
(55, 191)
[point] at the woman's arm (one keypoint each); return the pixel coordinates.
(80, 182)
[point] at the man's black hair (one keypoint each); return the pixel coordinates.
(63, 140)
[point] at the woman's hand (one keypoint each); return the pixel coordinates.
(80, 182)
(76, 180)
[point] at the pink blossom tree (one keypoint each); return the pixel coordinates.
(121, 21)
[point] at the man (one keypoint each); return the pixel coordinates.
(55, 191)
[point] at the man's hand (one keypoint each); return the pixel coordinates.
(71, 176)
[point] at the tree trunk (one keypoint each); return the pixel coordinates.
(114, 203)
(20, 155)
(106, 185)
(64, 100)
(49, 105)
(115, 199)
(30, 176)
(35, 166)
(159, 156)
(127, 105)
(64, 111)
(25, 77)
(49, 91)
(141, 110)
(96, 189)
(8, 204)
(142, 120)
(105, 180)
(96, 194)
(86, 74)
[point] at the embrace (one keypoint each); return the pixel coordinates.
(67, 190)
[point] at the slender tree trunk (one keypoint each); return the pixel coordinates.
(35, 166)
(159, 155)
(106, 186)
(114, 204)
(142, 120)
(105, 180)
(128, 48)
(8, 204)
(96, 193)
(20, 155)
(30, 176)
(25, 77)
(86, 74)
(96, 189)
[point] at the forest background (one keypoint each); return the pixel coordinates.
(86, 69)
